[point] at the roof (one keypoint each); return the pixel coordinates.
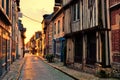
(64, 7)
(48, 16)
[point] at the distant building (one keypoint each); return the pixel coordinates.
(38, 39)
(45, 34)
(58, 33)
(21, 39)
(33, 45)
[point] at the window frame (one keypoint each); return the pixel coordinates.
(7, 7)
(54, 28)
(63, 24)
(76, 11)
(3, 4)
(58, 26)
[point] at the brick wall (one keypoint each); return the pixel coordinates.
(115, 25)
(113, 14)
(116, 40)
(116, 45)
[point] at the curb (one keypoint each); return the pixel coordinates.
(64, 72)
(3, 75)
(58, 69)
(22, 61)
(20, 68)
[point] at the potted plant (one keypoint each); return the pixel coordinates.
(50, 57)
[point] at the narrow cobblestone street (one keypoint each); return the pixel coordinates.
(15, 69)
(59, 39)
(35, 69)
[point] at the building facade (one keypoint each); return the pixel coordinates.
(115, 26)
(32, 45)
(5, 31)
(45, 34)
(8, 33)
(50, 40)
(87, 33)
(14, 30)
(20, 38)
(58, 33)
(38, 39)
(115, 35)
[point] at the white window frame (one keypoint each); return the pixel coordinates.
(75, 9)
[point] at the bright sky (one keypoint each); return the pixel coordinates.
(34, 9)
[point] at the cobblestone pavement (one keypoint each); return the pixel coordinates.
(15, 69)
(35, 69)
(74, 73)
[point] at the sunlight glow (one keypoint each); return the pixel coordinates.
(34, 9)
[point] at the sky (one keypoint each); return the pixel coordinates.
(34, 9)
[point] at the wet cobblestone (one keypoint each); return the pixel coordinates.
(14, 71)
(15, 67)
(36, 69)
(74, 73)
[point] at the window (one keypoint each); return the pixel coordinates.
(4, 41)
(3, 3)
(63, 24)
(8, 49)
(78, 49)
(54, 28)
(7, 7)
(76, 11)
(58, 48)
(58, 26)
(58, 1)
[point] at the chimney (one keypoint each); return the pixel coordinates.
(58, 2)
(56, 8)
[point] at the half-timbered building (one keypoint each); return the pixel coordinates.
(87, 33)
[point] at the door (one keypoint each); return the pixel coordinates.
(91, 48)
(78, 49)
